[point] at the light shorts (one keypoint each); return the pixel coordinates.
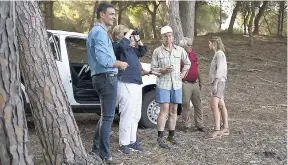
(168, 96)
(220, 90)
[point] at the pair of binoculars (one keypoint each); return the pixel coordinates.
(135, 32)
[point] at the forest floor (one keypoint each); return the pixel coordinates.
(256, 99)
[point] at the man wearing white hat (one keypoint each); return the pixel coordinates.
(166, 60)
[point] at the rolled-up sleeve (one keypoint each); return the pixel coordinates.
(102, 54)
(154, 62)
(185, 60)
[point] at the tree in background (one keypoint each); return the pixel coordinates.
(175, 21)
(233, 17)
(153, 13)
(47, 10)
(258, 17)
(251, 19)
(187, 15)
(14, 144)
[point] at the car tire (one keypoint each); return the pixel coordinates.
(148, 116)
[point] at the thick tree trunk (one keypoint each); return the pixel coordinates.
(49, 15)
(251, 38)
(14, 144)
(175, 21)
(258, 17)
(53, 117)
(233, 17)
(187, 15)
(268, 27)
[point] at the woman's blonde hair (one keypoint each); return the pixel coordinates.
(118, 32)
(217, 43)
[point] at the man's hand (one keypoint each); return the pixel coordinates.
(123, 66)
(182, 75)
(214, 89)
(167, 70)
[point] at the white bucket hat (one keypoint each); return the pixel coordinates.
(166, 29)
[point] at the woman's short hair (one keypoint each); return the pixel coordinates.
(117, 30)
(184, 42)
(217, 42)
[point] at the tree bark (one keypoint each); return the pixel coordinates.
(280, 18)
(258, 17)
(49, 15)
(233, 17)
(251, 38)
(175, 21)
(14, 144)
(187, 15)
(53, 117)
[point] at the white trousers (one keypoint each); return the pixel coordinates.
(129, 98)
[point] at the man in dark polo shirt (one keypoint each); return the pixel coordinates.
(191, 87)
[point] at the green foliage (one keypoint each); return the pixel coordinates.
(73, 15)
(208, 18)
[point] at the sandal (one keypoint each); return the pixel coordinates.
(213, 135)
(225, 131)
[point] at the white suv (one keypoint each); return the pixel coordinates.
(69, 51)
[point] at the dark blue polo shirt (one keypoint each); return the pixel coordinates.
(124, 52)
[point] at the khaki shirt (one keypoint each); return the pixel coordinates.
(162, 59)
(218, 69)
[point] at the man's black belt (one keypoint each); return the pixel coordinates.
(108, 74)
(191, 82)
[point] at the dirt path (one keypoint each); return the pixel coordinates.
(256, 101)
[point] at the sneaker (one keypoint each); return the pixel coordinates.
(162, 143)
(125, 149)
(113, 161)
(135, 146)
(171, 140)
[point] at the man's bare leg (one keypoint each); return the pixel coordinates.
(172, 122)
(161, 121)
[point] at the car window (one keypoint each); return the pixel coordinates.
(76, 49)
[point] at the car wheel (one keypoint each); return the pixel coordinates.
(150, 110)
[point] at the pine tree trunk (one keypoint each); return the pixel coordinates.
(195, 19)
(220, 16)
(187, 15)
(258, 17)
(175, 21)
(233, 17)
(93, 15)
(281, 18)
(53, 117)
(14, 144)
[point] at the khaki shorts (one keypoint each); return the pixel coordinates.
(220, 90)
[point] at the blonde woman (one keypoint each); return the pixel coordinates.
(217, 80)
(129, 96)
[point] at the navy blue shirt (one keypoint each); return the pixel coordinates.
(124, 52)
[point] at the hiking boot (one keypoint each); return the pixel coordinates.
(125, 149)
(135, 146)
(162, 143)
(113, 161)
(171, 140)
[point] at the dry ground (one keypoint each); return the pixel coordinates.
(256, 101)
